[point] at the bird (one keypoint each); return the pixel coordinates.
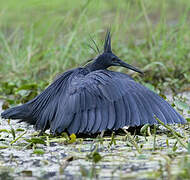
(92, 99)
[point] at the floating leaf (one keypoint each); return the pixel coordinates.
(39, 151)
(19, 129)
(27, 173)
(36, 140)
(4, 130)
(3, 147)
(72, 138)
(96, 157)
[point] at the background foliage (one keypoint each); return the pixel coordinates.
(40, 39)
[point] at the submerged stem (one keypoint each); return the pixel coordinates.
(133, 141)
(176, 134)
(18, 138)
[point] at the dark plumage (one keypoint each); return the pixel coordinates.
(92, 99)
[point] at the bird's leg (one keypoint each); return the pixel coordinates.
(102, 133)
(41, 133)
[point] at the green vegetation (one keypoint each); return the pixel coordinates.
(41, 39)
(148, 155)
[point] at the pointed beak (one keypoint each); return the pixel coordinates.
(119, 62)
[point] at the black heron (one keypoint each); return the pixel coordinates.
(93, 99)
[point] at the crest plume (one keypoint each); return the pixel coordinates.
(107, 43)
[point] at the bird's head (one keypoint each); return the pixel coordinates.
(108, 58)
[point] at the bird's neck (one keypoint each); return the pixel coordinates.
(94, 66)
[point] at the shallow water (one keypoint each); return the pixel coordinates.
(118, 161)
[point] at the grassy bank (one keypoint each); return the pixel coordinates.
(40, 39)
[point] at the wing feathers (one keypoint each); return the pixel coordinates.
(162, 106)
(104, 117)
(84, 121)
(91, 120)
(97, 121)
(112, 100)
(88, 102)
(143, 114)
(111, 116)
(75, 124)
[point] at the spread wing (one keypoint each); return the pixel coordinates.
(104, 100)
